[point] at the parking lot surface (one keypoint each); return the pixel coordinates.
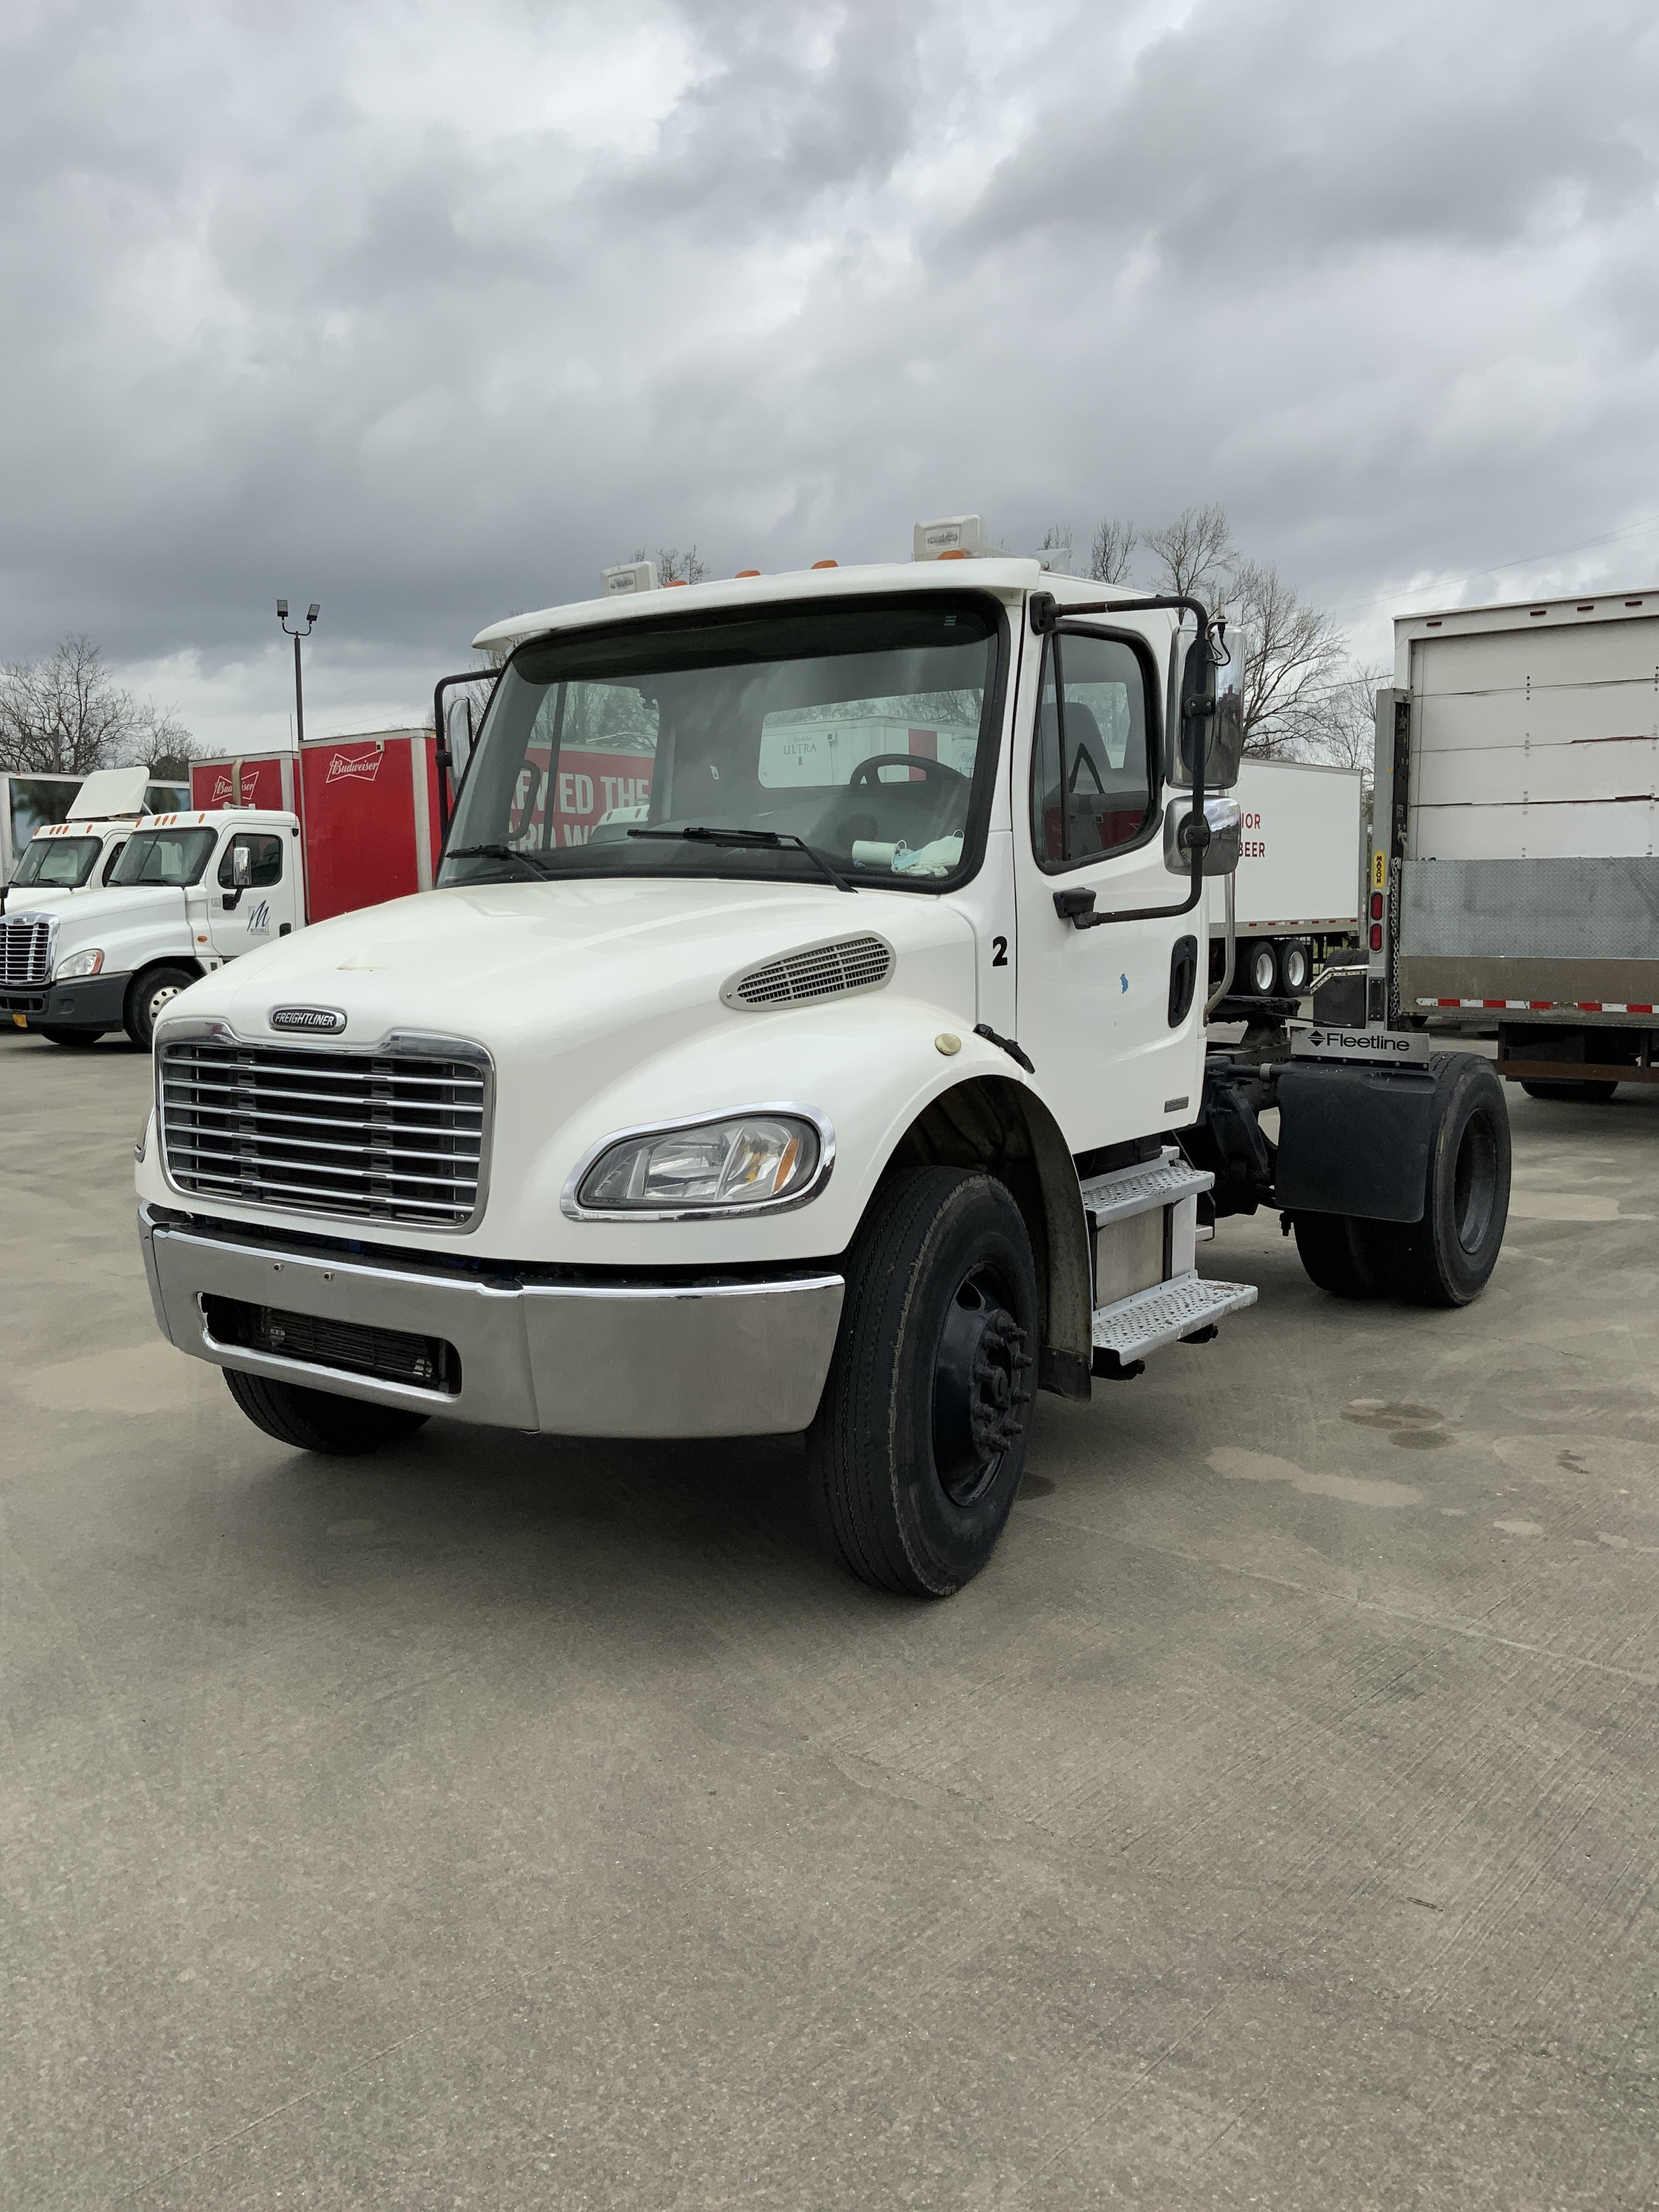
(509, 1822)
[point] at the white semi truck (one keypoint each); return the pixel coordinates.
(1516, 872)
(189, 892)
(67, 858)
(863, 1102)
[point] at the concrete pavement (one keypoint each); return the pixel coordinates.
(506, 1822)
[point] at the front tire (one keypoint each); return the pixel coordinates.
(72, 1037)
(148, 998)
(318, 1420)
(917, 1450)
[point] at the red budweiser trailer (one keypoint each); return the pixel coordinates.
(368, 807)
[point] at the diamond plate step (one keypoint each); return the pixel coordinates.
(1138, 1189)
(1162, 1316)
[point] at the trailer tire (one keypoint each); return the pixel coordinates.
(1260, 967)
(147, 996)
(320, 1420)
(1571, 1094)
(1339, 1254)
(1296, 968)
(56, 1036)
(1447, 1258)
(916, 1452)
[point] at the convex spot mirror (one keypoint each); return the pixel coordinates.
(1220, 855)
(1220, 688)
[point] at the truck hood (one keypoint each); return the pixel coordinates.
(600, 1003)
(501, 962)
(109, 918)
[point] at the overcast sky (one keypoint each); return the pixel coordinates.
(428, 312)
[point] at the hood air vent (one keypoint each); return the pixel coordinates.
(819, 971)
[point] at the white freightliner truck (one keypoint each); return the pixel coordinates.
(189, 892)
(67, 858)
(862, 1104)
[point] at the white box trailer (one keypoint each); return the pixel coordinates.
(1298, 890)
(1515, 886)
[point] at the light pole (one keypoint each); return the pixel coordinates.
(312, 613)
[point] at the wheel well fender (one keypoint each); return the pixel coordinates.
(1003, 1127)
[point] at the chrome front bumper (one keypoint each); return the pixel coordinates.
(634, 1360)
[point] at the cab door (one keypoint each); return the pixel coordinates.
(252, 898)
(1107, 1014)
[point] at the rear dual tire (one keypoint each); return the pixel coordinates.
(1446, 1258)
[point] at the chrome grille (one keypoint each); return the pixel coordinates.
(25, 951)
(821, 971)
(393, 1136)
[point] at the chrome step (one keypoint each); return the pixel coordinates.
(1128, 1191)
(1152, 1319)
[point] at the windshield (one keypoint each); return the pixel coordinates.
(164, 856)
(851, 740)
(60, 863)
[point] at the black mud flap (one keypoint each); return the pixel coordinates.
(1354, 1140)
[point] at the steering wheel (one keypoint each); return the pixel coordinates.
(864, 772)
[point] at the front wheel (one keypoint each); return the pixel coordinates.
(916, 1452)
(1571, 1094)
(318, 1420)
(56, 1036)
(151, 994)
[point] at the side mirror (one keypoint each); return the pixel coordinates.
(241, 866)
(1211, 713)
(1223, 820)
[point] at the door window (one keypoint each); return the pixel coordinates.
(1093, 786)
(265, 854)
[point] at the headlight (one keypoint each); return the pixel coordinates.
(78, 964)
(758, 1160)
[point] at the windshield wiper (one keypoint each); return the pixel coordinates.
(784, 840)
(532, 868)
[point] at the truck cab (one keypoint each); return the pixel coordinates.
(186, 893)
(745, 1073)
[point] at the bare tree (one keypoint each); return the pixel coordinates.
(1110, 555)
(674, 566)
(1294, 652)
(1342, 721)
(1195, 551)
(66, 715)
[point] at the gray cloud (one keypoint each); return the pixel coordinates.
(430, 312)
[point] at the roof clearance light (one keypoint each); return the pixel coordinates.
(748, 571)
(826, 564)
(962, 534)
(631, 576)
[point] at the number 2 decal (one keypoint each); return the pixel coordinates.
(999, 952)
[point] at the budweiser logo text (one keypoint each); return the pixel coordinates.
(366, 765)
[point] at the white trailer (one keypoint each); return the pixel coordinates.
(1515, 885)
(1298, 889)
(858, 1092)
